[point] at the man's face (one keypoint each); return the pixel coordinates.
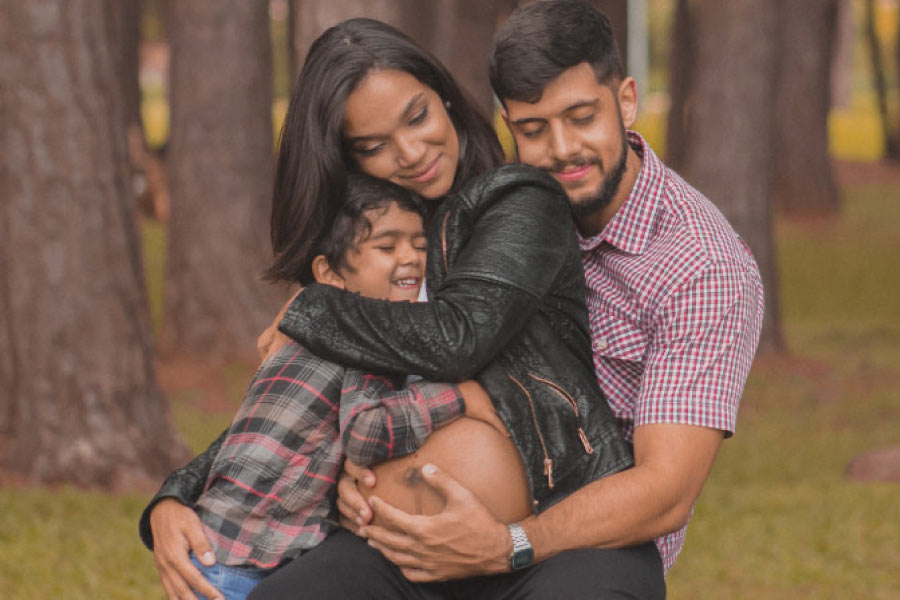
(576, 132)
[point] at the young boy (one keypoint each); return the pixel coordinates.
(270, 492)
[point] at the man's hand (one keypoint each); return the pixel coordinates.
(177, 531)
(355, 511)
(462, 540)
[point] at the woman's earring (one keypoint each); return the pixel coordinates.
(447, 104)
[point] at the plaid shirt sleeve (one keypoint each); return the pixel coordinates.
(699, 359)
(379, 422)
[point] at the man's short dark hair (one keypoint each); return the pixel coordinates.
(351, 225)
(541, 40)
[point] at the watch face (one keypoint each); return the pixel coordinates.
(521, 559)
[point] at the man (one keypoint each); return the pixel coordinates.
(675, 307)
(675, 304)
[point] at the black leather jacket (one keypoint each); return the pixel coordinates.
(506, 306)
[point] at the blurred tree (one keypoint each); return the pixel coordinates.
(891, 148)
(681, 73)
(803, 180)
(309, 18)
(463, 30)
(729, 126)
(78, 395)
(220, 166)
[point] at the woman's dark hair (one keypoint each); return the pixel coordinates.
(312, 165)
(351, 223)
(541, 40)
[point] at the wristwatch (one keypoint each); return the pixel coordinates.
(522, 555)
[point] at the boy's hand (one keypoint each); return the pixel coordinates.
(354, 509)
(479, 405)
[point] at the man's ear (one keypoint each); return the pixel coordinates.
(628, 101)
(323, 273)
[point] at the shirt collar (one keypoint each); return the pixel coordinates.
(631, 227)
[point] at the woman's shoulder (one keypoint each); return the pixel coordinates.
(513, 182)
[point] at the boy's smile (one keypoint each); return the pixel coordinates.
(390, 262)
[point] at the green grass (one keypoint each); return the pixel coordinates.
(777, 520)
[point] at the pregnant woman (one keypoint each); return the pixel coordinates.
(505, 298)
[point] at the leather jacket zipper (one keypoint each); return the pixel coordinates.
(588, 448)
(548, 462)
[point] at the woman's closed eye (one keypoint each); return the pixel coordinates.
(368, 149)
(420, 116)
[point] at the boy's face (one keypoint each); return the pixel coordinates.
(390, 262)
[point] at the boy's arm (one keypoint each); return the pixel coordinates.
(379, 422)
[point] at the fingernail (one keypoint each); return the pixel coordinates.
(359, 521)
(429, 469)
(208, 558)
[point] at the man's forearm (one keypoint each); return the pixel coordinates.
(634, 506)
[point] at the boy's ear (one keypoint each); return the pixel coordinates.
(323, 273)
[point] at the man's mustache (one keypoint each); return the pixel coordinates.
(578, 161)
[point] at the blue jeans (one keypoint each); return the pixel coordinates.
(234, 582)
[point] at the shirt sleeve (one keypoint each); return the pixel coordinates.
(705, 337)
(378, 422)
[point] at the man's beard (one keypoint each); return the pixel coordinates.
(608, 188)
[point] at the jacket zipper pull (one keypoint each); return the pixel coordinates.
(548, 471)
(584, 441)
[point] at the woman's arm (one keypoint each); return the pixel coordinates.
(184, 485)
(515, 249)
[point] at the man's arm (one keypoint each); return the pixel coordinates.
(651, 499)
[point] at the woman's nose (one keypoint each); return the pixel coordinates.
(409, 151)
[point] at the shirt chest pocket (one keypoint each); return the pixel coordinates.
(619, 340)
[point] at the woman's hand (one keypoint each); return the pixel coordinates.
(176, 532)
(479, 405)
(354, 509)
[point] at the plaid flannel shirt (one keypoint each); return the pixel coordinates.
(676, 305)
(270, 492)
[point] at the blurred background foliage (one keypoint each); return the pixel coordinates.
(778, 518)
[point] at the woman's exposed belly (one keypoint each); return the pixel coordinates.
(475, 454)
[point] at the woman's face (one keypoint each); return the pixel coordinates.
(397, 129)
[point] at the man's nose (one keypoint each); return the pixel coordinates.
(564, 144)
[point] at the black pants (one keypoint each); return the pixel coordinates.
(344, 567)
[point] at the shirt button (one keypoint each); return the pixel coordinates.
(600, 345)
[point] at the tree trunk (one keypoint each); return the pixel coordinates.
(220, 165)
(309, 18)
(894, 140)
(731, 126)
(463, 30)
(77, 383)
(803, 181)
(878, 79)
(681, 82)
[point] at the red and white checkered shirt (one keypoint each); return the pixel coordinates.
(676, 307)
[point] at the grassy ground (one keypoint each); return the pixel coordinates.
(776, 520)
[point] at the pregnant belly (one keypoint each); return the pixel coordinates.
(475, 454)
